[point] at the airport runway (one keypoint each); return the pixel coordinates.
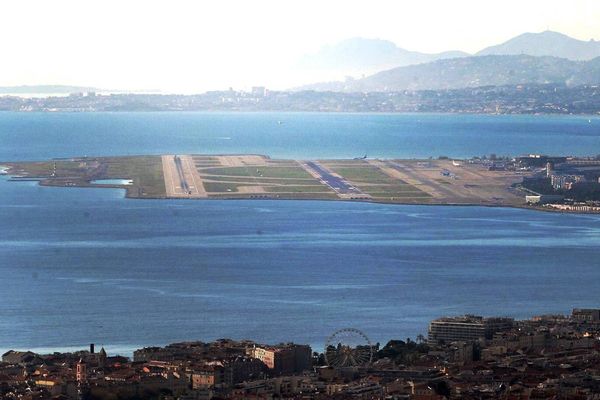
(338, 184)
(181, 177)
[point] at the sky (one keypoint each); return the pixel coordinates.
(180, 46)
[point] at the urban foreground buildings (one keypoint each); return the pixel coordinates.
(465, 357)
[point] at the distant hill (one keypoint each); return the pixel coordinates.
(364, 56)
(472, 72)
(381, 61)
(546, 43)
(46, 89)
(589, 73)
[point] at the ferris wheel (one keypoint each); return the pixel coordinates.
(348, 347)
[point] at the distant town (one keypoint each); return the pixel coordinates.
(512, 99)
(466, 357)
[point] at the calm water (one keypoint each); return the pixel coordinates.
(86, 265)
(300, 135)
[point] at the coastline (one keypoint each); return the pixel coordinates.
(126, 195)
(431, 182)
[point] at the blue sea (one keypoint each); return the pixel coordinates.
(87, 265)
(30, 136)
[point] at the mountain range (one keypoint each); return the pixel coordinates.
(473, 72)
(536, 58)
(546, 43)
(361, 55)
(546, 57)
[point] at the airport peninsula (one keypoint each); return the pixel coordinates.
(528, 181)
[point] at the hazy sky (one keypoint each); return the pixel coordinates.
(191, 46)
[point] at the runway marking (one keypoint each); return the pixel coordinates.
(339, 184)
(173, 177)
(192, 172)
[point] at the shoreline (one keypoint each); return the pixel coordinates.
(430, 182)
(159, 198)
(317, 112)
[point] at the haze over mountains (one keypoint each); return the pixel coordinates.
(546, 57)
(359, 56)
(370, 65)
(546, 43)
(60, 90)
(473, 72)
(45, 89)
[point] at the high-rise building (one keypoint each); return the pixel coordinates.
(466, 328)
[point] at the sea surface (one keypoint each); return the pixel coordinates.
(83, 265)
(31, 136)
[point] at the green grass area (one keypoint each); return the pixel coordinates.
(145, 171)
(378, 184)
(206, 165)
(258, 172)
(394, 191)
(390, 188)
(310, 196)
(232, 187)
(212, 187)
(46, 169)
(298, 189)
(259, 181)
(373, 181)
(281, 163)
(399, 195)
(281, 179)
(364, 174)
(286, 196)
